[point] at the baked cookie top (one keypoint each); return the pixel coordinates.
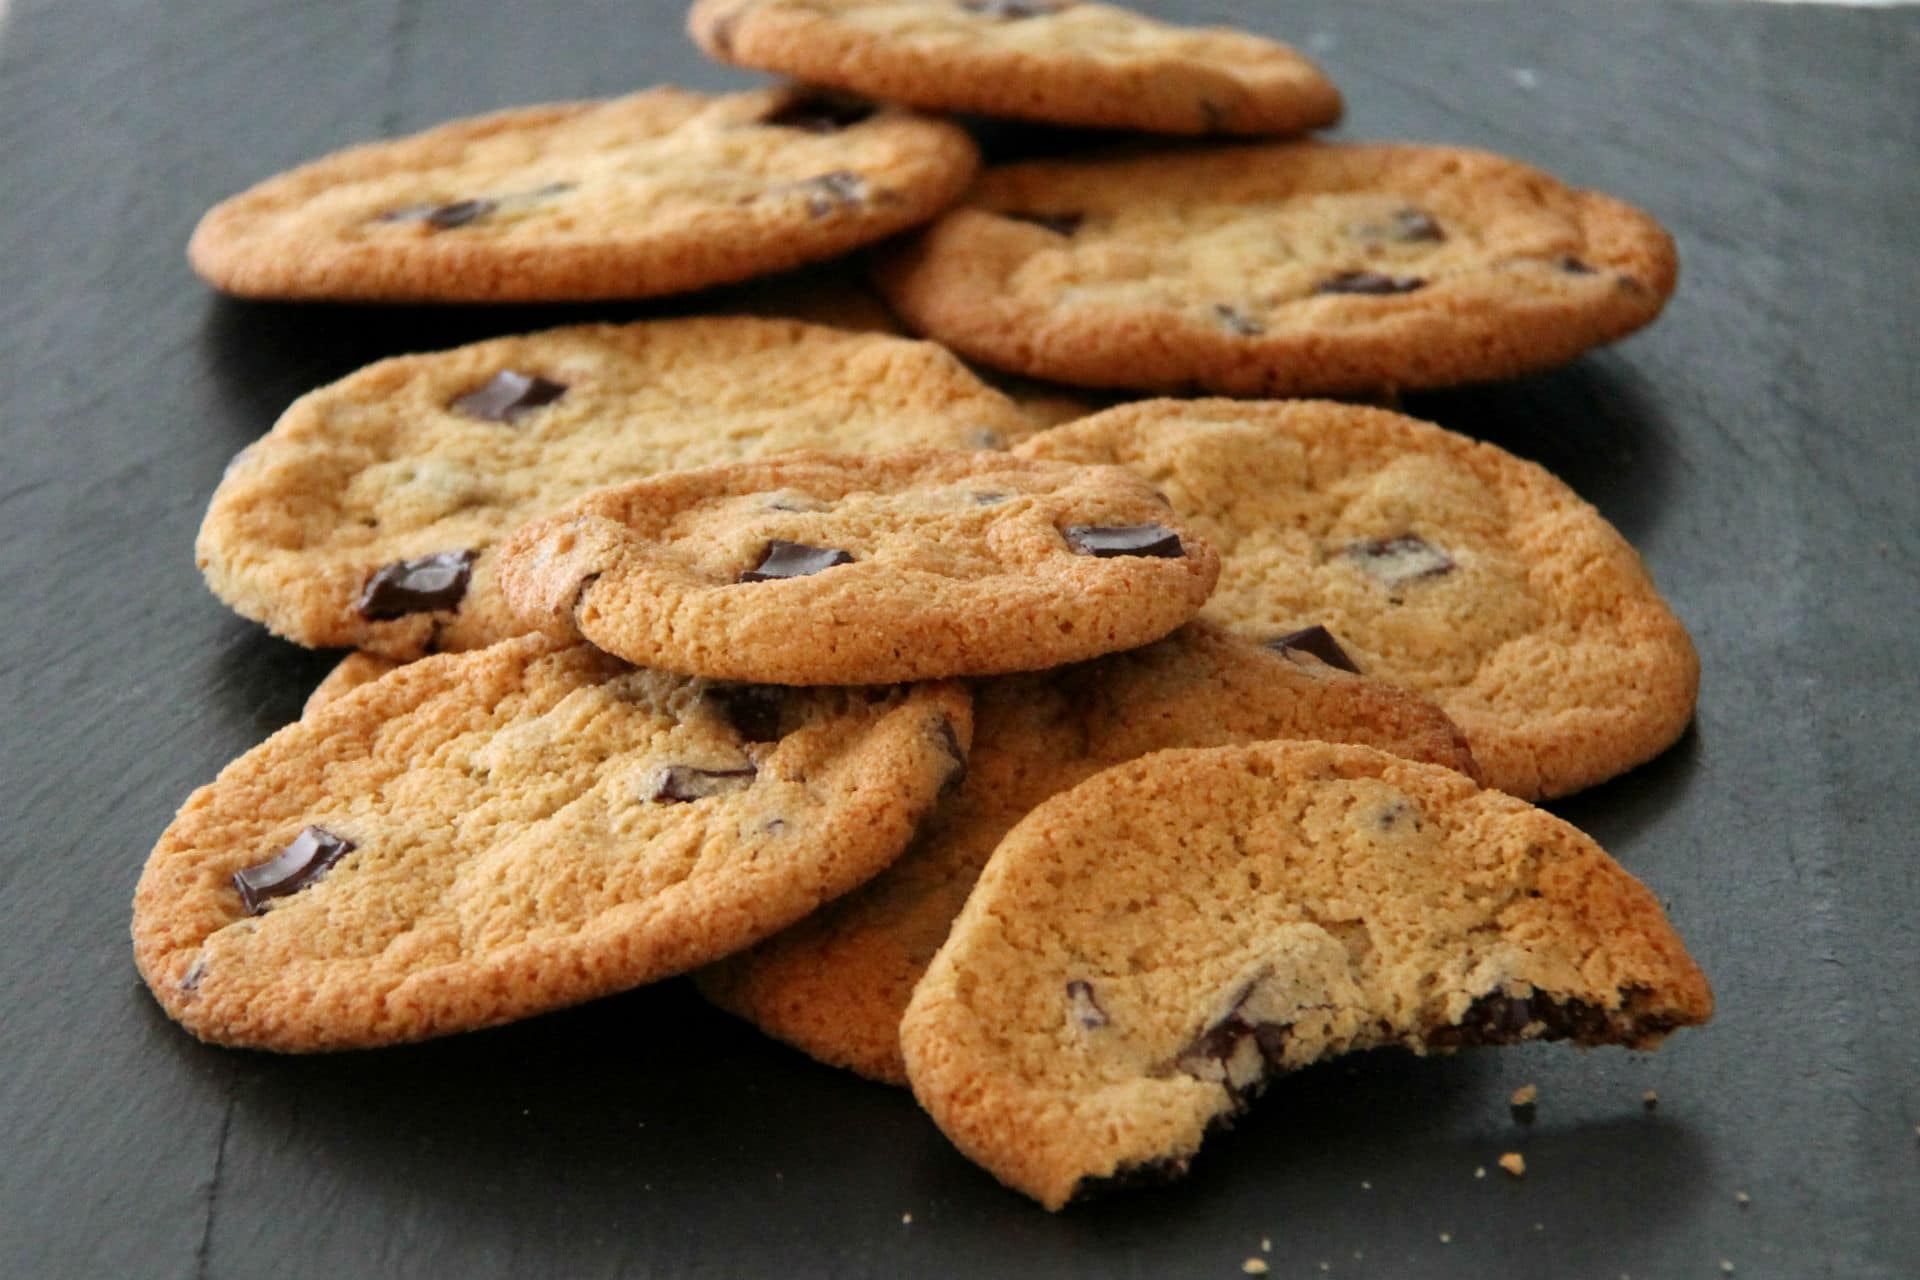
(836, 984)
(1144, 950)
(1444, 566)
(657, 192)
(480, 837)
(1288, 269)
(828, 569)
(367, 516)
(1056, 61)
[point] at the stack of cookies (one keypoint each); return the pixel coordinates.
(1080, 774)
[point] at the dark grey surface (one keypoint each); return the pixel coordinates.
(1758, 444)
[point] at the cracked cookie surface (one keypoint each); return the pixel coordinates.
(658, 192)
(828, 569)
(1290, 269)
(1057, 61)
(1144, 951)
(1445, 566)
(485, 836)
(429, 460)
(836, 984)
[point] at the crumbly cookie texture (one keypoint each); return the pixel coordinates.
(480, 837)
(836, 984)
(1442, 565)
(1289, 269)
(1055, 61)
(654, 193)
(1145, 950)
(428, 461)
(828, 569)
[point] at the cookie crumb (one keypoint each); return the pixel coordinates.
(1726, 1266)
(1446, 1237)
(1742, 1199)
(1266, 1245)
(1525, 77)
(1480, 1171)
(1523, 1103)
(1366, 1186)
(1650, 1100)
(1514, 1163)
(906, 1219)
(1254, 1267)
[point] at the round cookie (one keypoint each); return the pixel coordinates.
(1055, 61)
(430, 460)
(1145, 950)
(480, 837)
(835, 984)
(826, 569)
(1444, 566)
(657, 192)
(1289, 269)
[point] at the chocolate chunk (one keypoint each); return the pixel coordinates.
(1396, 561)
(507, 395)
(1498, 1018)
(682, 783)
(442, 217)
(1145, 1173)
(752, 709)
(1061, 224)
(1413, 225)
(1369, 282)
(1237, 321)
(1108, 541)
(1573, 266)
(819, 112)
(1012, 9)
(312, 853)
(438, 581)
(950, 741)
(1236, 1053)
(1085, 1010)
(196, 974)
(793, 560)
(831, 192)
(1319, 642)
(988, 499)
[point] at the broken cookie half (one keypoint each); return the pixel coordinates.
(1144, 951)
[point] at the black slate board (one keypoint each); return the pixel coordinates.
(1758, 445)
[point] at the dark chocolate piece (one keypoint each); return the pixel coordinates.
(1108, 541)
(1061, 224)
(683, 783)
(1403, 559)
(507, 395)
(438, 581)
(458, 214)
(1013, 9)
(196, 974)
(752, 709)
(1319, 642)
(1573, 266)
(1147, 1173)
(988, 499)
(1498, 1018)
(831, 192)
(793, 560)
(1238, 321)
(1413, 226)
(950, 740)
(1369, 282)
(820, 112)
(312, 853)
(1085, 1009)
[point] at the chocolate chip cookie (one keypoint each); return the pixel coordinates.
(658, 192)
(1289, 269)
(1143, 952)
(836, 984)
(828, 569)
(1444, 566)
(366, 518)
(480, 837)
(1056, 61)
